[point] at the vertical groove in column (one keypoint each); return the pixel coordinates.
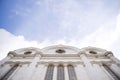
(66, 72)
(81, 73)
(115, 69)
(89, 68)
(43, 72)
(101, 75)
(20, 73)
(55, 72)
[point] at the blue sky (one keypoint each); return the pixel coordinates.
(74, 22)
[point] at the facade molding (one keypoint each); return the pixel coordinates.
(33, 63)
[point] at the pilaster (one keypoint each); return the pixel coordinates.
(55, 72)
(115, 69)
(66, 72)
(100, 73)
(89, 68)
(81, 73)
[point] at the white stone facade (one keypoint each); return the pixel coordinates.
(89, 63)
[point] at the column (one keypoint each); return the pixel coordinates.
(55, 72)
(38, 72)
(43, 72)
(115, 69)
(89, 68)
(4, 60)
(4, 69)
(66, 72)
(32, 67)
(115, 59)
(26, 72)
(110, 55)
(81, 73)
(20, 75)
(101, 75)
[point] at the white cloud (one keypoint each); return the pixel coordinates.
(9, 42)
(104, 37)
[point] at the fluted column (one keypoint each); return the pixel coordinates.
(101, 75)
(4, 60)
(37, 74)
(116, 60)
(115, 69)
(4, 69)
(29, 69)
(32, 66)
(55, 72)
(66, 72)
(81, 73)
(9, 56)
(111, 56)
(43, 72)
(20, 75)
(89, 68)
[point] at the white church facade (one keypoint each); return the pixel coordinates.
(60, 62)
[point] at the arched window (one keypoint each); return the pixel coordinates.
(71, 73)
(60, 72)
(7, 75)
(49, 74)
(28, 52)
(111, 72)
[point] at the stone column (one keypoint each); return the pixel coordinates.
(43, 72)
(101, 75)
(81, 73)
(55, 72)
(111, 56)
(116, 60)
(26, 72)
(66, 72)
(115, 69)
(20, 75)
(9, 56)
(4, 60)
(89, 68)
(4, 69)
(32, 67)
(38, 72)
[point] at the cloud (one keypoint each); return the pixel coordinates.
(71, 22)
(9, 42)
(56, 19)
(104, 37)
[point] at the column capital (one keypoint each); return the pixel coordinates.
(82, 53)
(11, 53)
(108, 53)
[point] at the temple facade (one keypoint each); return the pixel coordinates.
(60, 62)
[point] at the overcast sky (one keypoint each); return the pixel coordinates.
(79, 23)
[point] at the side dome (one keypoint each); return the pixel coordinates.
(60, 49)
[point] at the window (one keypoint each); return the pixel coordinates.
(28, 52)
(49, 74)
(111, 72)
(93, 52)
(71, 73)
(60, 72)
(60, 51)
(7, 75)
